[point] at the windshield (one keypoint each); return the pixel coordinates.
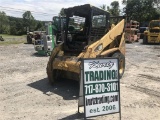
(59, 22)
(76, 23)
(99, 21)
(155, 24)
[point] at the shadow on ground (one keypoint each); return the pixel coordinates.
(68, 89)
(76, 116)
(38, 55)
(27, 43)
(148, 44)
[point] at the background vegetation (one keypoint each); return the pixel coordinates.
(140, 10)
(19, 26)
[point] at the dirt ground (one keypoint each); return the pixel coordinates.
(25, 93)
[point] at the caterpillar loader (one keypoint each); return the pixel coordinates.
(87, 34)
(152, 35)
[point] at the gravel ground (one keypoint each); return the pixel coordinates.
(13, 38)
(25, 93)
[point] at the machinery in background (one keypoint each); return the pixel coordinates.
(131, 31)
(30, 36)
(152, 35)
(141, 31)
(39, 42)
(46, 41)
(1, 38)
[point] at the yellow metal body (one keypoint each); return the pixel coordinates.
(105, 46)
(153, 33)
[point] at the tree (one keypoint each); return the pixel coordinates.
(29, 21)
(16, 26)
(4, 23)
(61, 13)
(141, 10)
(114, 9)
(40, 26)
(103, 7)
(13, 30)
(157, 3)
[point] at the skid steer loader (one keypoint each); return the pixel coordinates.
(87, 34)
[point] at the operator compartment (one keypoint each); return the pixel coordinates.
(84, 25)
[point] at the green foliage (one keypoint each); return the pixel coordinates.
(141, 10)
(13, 30)
(28, 20)
(30, 23)
(39, 26)
(62, 13)
(103, 7)
(114, 8)
(4, 23)
(18, 26)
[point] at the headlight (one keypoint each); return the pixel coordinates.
(99, 47)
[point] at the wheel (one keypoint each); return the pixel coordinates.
(53, 75)
(137, 40)
(1, 39)
(145, 39)
(121, 58)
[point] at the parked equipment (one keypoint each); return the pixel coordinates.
(86, 34)
(30, 36)
(45, 41)
(152, 35)
(1, 38)
(131, 30)
(141, 31)
(39, 42)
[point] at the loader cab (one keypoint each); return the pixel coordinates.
(85, 24)
(59, 22)
(154, 26)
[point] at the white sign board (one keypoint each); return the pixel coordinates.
(101, 86)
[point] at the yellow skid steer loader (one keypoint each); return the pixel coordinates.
(88, 34)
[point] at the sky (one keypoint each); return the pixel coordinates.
(45, 9)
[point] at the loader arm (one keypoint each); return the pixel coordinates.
(106, 40)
